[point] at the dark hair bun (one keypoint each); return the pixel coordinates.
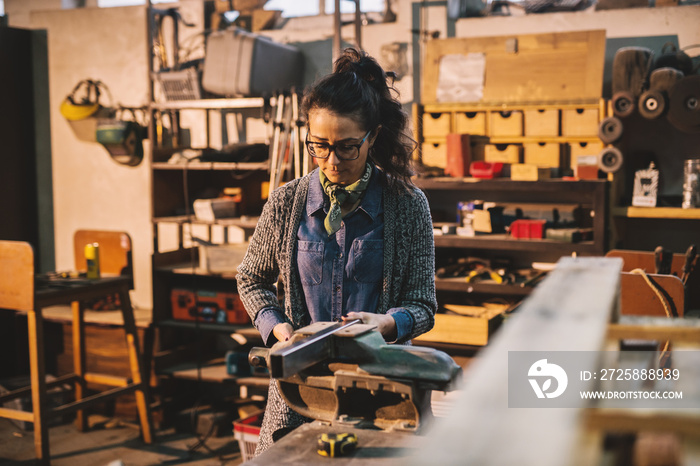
(361, 64)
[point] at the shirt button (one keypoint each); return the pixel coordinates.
(340, 255)
(337, 288)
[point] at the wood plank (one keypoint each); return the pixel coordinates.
(681, 415)
(568, 311)
(677, 330)
(546, 67)
(657, 212)
(464, 329)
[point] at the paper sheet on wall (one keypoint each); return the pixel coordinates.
(461, 78)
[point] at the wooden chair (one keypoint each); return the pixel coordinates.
(115, 258)
(115, 251)
(18, 292)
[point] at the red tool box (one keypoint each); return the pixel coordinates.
(208, 306)
(529, 229)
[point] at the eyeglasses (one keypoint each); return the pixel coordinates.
(322, 150)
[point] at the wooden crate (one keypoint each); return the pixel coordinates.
(580, 122)
(542, 154)
(436, 124)
(473, 325)
(470, 123)
(542, 122)
(547, 68)
(505, 153)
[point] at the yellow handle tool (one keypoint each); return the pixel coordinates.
(332, 445)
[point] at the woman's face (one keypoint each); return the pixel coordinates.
(330, 128)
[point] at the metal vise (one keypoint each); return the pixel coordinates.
(346, 372)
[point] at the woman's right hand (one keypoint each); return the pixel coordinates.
(283, 331)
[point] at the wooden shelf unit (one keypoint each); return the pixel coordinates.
(534, 128)
(444, 194)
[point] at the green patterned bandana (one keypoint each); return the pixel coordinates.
(340, 195)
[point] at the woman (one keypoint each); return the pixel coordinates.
(351, 240)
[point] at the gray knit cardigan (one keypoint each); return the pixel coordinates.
(409, 256)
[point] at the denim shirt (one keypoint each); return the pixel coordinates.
(342, 272)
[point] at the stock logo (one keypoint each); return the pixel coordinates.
(545, 372)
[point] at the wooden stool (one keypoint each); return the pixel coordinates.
(18, 293)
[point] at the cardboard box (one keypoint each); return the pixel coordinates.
(209, 210)
(221, 258)
(529, 172)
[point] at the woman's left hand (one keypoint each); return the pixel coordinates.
(384, 323)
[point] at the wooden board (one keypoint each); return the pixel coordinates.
(568, 311)
(638, 298)
(463, 329)
(552, 67)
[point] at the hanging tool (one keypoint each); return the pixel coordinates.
(690, 255)
(301, 159)
(280, 139)
(296, 149)
(283, 150)
(662, 260)
(276, 134)
(333, 445)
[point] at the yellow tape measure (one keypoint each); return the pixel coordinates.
(336, 444)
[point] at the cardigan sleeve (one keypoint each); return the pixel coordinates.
(259, 271)
(417, 288)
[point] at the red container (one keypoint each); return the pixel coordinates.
(485, 170)
(247, 432)
(528, 229)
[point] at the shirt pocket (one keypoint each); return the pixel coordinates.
(310, 261)
(367, 260)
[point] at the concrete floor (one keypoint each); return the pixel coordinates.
(110, 442)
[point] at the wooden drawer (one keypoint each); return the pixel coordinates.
(589, 150)
(506, 123)
(470, 123)
(436, 124)
(579, 122)
(542, 122)
(506, 153)
(434, 154)
(542, 154)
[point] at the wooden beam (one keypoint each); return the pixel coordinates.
(677, 330)
(568, 311)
